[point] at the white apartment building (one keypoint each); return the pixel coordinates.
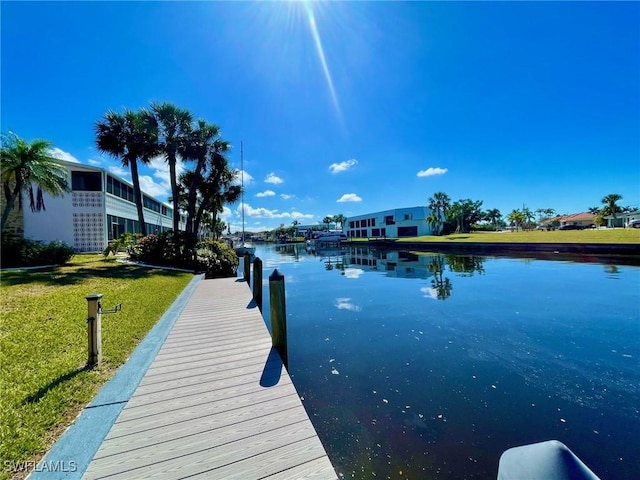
(396, 223)
(99, 208)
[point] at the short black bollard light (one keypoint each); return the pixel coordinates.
(94, 329)
(278, 311)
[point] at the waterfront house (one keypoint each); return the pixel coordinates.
(622, 219)
(582, 219)
(99, 208)
(396, 223)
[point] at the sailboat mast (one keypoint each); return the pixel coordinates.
(242, 184)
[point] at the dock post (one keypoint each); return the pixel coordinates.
(94, 329)
(278, 311)
(247, 267)
(257, 282)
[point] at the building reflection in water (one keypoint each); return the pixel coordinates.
(402, 264)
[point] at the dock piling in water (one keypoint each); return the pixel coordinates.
(278, 310)
(257, 282)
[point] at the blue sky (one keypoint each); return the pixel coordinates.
(349, 107)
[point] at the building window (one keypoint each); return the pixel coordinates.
(375, 232)
(351, 224)
(86, 181)
(388, 220)
(373, 222)
(383, 232)
(408, 231)
(408, 216)
(363, 233)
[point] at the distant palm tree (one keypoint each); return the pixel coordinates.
(174, 131)
(440, 202)
(131, 137)
(340, 218)
(25, 165)
(327, 221)
(517, 218)
(611, 206)
(493, 215)
(434, 221)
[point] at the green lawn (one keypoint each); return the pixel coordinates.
(43, 342)
(618, 235)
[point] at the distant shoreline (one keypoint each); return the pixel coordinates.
(627, 253)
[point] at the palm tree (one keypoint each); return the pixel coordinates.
(434, 221)
(174, 131)
(340, 218)
(440, 202)
(611, 206)
(131, 137)
(327, 221)
(25, 165)
(201, 143)
(517, 218)
(494, 216)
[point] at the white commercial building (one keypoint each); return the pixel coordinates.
(396, 223)
(99, 208)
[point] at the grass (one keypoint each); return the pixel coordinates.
(43, 342)
(618, 235)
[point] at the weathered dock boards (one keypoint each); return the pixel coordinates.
(216, 403)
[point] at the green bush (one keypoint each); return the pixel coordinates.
(22, 252)
(217, 259)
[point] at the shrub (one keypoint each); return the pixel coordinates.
(217, 259)
(22, 252)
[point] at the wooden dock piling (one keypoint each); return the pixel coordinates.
(257, 282)
(278, 310)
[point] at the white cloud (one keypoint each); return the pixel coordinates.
(266, 193)
(353, 272)
(120, 171)
(342, 166)
(62, 155)
(149, 186)
(345, 304)
(95, 162)
(273, 178)
(261, 212)
(242, 175)
(286, 196)
(429, 293)
(349, 197)
(226, 214)
(431, 171)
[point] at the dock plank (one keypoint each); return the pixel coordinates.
(215, 403)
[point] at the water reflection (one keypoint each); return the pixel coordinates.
(353, 261)
(529, 350)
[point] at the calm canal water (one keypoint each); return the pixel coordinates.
(422, 365)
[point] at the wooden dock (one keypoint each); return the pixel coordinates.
(216, 403)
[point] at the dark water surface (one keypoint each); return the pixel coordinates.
(421, 365)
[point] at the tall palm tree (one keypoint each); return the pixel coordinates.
(611, 206)
(174, 131)
(131, 137)
(440, 203)
(216, 189)
(25, 165)
(434, 221)
(494, 216)
(203, 141)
